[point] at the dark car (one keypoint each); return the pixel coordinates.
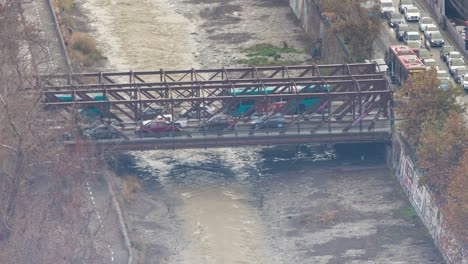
(266, 121)
(219, 122)
(158, 128)
(435, 38)
(445, 51)
(395, 19)
(103, 132)
(400, 31)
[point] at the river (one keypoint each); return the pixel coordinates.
(246, 205)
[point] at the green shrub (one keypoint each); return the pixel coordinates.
(408, 213)
(130, 187)
(268, 50)
(83, 42)
(66, 5)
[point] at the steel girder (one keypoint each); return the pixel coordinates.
(192, 75)
(344, 92)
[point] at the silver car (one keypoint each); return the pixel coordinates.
(424, 21)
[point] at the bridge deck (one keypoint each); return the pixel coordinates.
(323, 103)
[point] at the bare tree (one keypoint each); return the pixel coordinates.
(45, 215)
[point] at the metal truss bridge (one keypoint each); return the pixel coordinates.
(339, 103)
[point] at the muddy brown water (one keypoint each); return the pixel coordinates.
(245, 205)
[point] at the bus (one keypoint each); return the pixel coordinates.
(402, 62)
(91, 112)
(407, 65)
(249, 106)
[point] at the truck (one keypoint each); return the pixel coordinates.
(386, 8)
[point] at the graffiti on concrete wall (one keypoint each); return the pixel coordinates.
(423, 201)
(301, 9)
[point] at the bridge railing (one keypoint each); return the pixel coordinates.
(199, 75)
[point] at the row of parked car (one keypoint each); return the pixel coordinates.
(159, 125)
(219, 122)
(428, 34)
(413, 39)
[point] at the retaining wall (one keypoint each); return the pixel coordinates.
(401, 159)
(317, 27)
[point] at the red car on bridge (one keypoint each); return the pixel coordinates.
(158, 128)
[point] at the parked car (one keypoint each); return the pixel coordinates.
(459, 75)
(442, 75)
(153, 111)
(219, 122)
(445, 50)
(430, 27)
(157, 128)
(412, 14)
(403, 4)
(464, 82)
(198, 112)
(396, 19)
(453, 55)
(430, 62)
(400, 31)
(434, 38)
(103, 132)
(380, 65)
(444, 79)
(444, 85)
(423, 22)
(456, 64)
(424, 54)
(412, 39)
(266, 121)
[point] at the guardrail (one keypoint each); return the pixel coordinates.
(455, 36)
(57, 28)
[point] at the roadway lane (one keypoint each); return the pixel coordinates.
(387, 38)
(308, 131)
(49, 56)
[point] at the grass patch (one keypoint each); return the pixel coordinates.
(260, 61)
(84, 49)
(65, 5)
(407, 213)
(268, 55)
(130, 187)
(81, 46)
(267, 50)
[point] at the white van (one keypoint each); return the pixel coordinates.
(387, 8)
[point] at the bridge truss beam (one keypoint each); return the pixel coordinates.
(355, 96)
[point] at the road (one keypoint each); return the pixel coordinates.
(387, 38)
(49, 56)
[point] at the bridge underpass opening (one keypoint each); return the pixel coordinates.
(268, 105)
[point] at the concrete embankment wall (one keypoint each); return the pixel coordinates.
(317, 27)
(400, 158)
